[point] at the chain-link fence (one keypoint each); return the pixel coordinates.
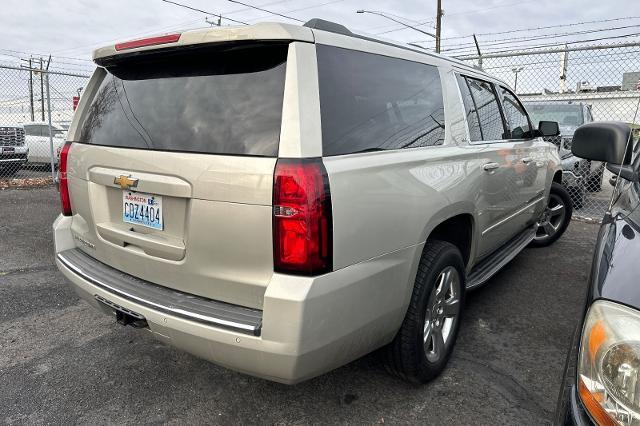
(36, 107)
(573, 86)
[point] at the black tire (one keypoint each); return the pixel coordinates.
(558, 195)
(406, 357)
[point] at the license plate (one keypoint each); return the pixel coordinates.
(142, 209)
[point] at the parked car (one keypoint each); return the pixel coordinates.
(38, 141)
(287, 202)
(601, 382)
(580, 176)
(13, 152)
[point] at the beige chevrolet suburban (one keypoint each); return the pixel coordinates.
(281, 200)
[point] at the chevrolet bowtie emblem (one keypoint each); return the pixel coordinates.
(126, 182)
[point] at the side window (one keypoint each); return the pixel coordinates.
(371, 102)
(488, 109)
(516, 115)
(475, 132)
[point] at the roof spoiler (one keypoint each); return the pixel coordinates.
(324, 25)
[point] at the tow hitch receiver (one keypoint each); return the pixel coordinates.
(124, 316)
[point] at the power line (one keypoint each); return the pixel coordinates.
(521, 48)
(498, 6)
(263, 10)
(539, 28)
(102, 43)
(246, 9)
(301, 8)
(460, 13)
(44, 54)
(496, 42)
(204, 11)
(431, 21)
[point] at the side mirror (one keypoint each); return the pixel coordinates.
(603, 141)
(548, 128)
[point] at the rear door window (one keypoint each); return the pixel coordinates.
(222, 100)
(473, 120)
(488, 109)
(371, 102)
(515, 115)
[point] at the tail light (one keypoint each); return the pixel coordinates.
(63, 183)
(302, 223)
(150, 41)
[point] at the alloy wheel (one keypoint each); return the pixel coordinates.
(442, 312)
(552, 218)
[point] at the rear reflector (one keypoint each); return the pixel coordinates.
(302, 221)
(151, 41)
(63, 183)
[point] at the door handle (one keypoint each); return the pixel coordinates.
(490, 166)
(526, 160)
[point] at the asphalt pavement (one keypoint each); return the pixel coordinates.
(63, 362)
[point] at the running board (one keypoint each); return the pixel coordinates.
(489, 266)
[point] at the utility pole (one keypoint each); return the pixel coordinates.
(53, 167)
(42, 88)
(31, 111)
(30, 62)
(439, 14)
(33, 117)
(564, 60)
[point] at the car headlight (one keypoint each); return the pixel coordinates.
(609, 364)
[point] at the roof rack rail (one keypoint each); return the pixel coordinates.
(334, 27)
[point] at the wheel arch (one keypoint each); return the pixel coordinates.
(455, 224)
(557, 176)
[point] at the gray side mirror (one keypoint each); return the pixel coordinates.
(603, 141)
(548, 128)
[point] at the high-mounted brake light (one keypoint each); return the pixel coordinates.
(63, 183)
(151, 41)
(302, 221)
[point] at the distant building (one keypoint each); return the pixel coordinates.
(631, 80)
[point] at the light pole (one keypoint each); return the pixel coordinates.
(374, 12)
(516, 70)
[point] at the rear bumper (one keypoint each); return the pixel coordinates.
(308, 325)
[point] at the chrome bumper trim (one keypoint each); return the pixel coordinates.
(163, 299)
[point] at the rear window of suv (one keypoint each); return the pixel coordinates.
(371, 102)
(222, 100)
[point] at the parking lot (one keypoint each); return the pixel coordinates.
(62, 362)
